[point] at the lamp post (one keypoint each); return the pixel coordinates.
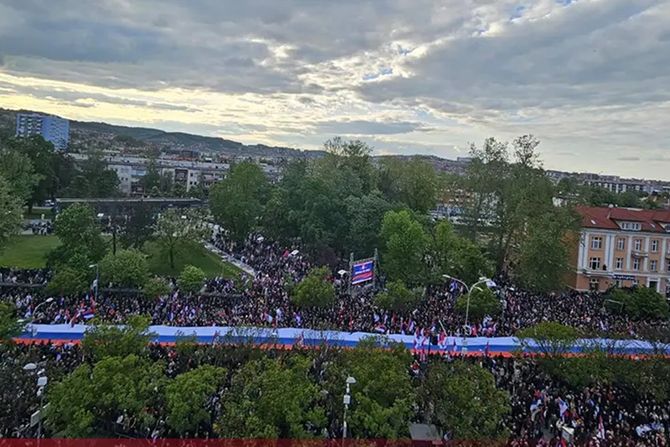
(468, 289)
(346, 401)
(97, 279)
(42, 381)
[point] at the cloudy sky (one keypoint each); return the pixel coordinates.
(590, 78)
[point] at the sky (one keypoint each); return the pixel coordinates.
(589, 78)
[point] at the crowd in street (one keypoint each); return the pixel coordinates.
(264, 300)
(540, 406)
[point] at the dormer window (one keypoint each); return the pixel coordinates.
(630, 226)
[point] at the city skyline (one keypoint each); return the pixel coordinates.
(586, 77)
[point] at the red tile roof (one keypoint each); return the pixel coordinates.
(607, 218)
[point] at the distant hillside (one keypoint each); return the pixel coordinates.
(99, 136)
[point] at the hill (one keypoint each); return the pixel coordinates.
(86, 136)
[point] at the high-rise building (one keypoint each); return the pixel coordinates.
(52, 128)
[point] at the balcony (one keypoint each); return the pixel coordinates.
(639, 254)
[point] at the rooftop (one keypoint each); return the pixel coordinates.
(652, 221)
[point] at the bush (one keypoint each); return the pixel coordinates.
(482, 302)
(397, 298)
(155, 287)
(314, 290)
(128, 268)
(191, 279)
(638, 303)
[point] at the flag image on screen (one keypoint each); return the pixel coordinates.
(362, 271)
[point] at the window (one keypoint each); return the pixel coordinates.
(621, 244)
(653, 265)
(636, 264)
(637, 243)
(619, 263)
(594, 263)
(631, 226)
(596, 242)
(654, 245)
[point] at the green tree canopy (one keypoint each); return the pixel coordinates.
(155, 287)
(10, 216)
(413, 183)
(237, 202)
(482, 302)
(126, 268)
(10, 326)
(187, 398)
(105, 340)
(639, 303)
(404, 247)
(463, 399)
(94, 179)
(79, 233)
(177, 228)
(315, 290)
(191, 279)
(91, 400)
(273, 399)
(398, 298)
(457, 256)
(552, 339)
(139, 227)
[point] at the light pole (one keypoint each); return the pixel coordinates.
(346, 401)
(42, 381)
(482, 280)
(97, 279)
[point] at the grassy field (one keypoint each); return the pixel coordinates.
(31, 252)
(195, 254)
(28, 251)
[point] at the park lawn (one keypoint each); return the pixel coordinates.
(192, 254)
(28, 252)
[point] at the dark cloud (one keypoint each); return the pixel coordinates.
(360, 127)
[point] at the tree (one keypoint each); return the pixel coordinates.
(69, 280)
(272, 399)
(104, 340)
(139, 227)
(10, 326)
(187, 398)
(382, 397)
(543, 255)
(354, 156)
(17, 169)
(237, 201)
(117, 395)
(10, 213)
(483, 302)
(126, 268)
(550, 338)
(177, 228)
(78, 232)
(397, 298)
(191, 279)
(94, 179)
(151, 180)
(315, 290)
(155, 287)
(463, 399)
(413, 183)
(640, 303)
(44, 162)
(457, 256)
(365, 216)
(404, 246)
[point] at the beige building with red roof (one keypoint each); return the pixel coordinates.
(623, 247)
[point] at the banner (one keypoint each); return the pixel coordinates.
(362, 271)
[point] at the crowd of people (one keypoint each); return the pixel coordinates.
(541, 406)
(264, 300)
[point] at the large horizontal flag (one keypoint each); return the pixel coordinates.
(362, 271)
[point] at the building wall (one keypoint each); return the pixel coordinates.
(608, 257)
(52, 128)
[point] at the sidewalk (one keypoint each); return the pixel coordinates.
(228, 258)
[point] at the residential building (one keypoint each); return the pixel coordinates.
(52, 128)
(622, 247)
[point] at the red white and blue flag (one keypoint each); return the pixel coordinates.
(362, 271)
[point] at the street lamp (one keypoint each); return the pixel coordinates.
(97, 279)
(42, 381)
(468, 289)
(346, 401)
